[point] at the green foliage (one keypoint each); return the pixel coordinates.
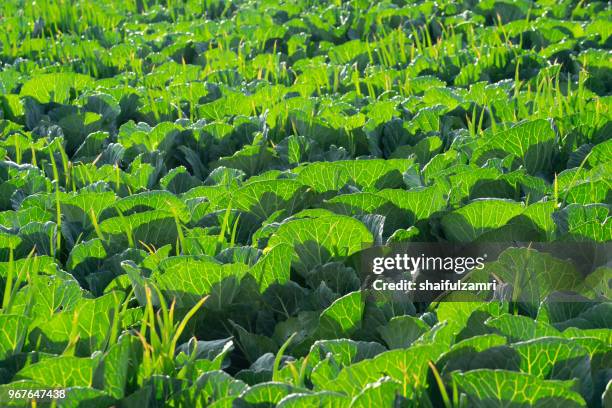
(186, 189)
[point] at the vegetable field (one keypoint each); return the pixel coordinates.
(186, 187)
